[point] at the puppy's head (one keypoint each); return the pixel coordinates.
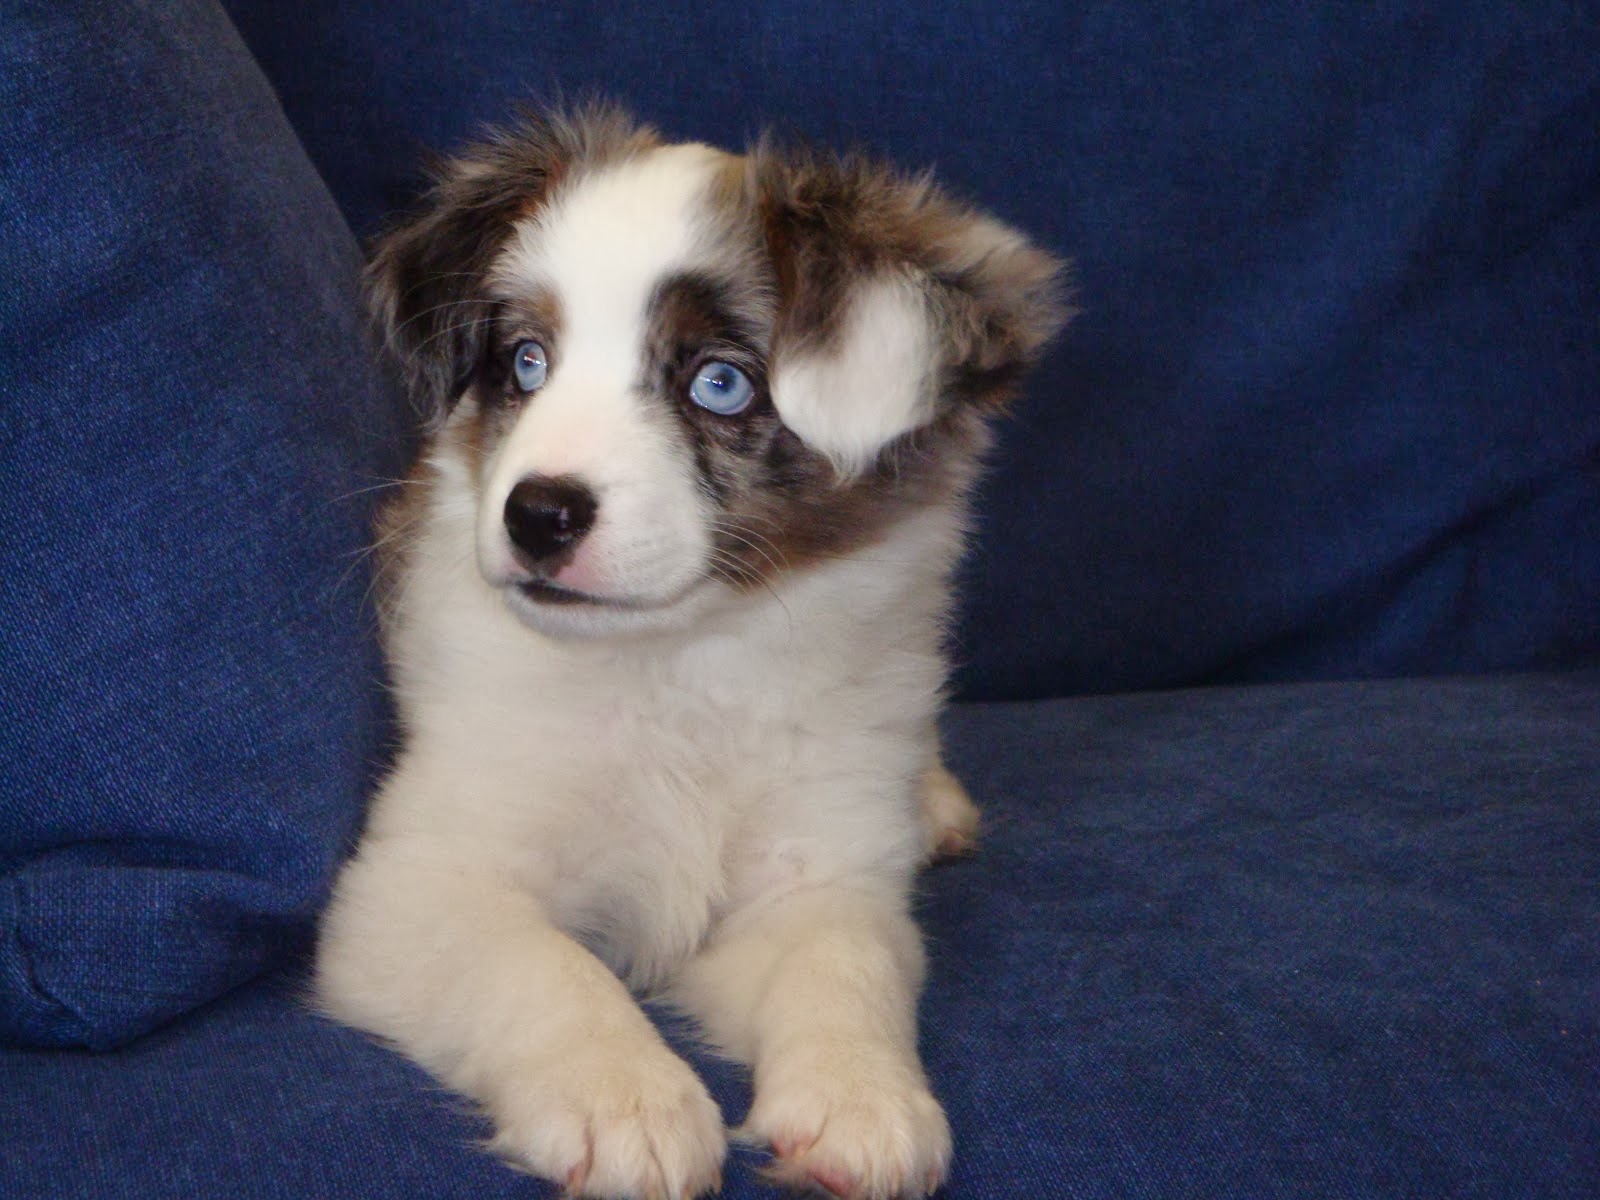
(667, 373)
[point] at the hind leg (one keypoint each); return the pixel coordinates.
(949, 817)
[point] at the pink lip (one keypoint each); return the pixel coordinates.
(576, 575)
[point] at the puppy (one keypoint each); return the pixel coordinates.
(664, 603)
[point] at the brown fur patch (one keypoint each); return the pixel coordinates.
(534, 315)
(832, 223)
(824, 226)
(426, 279)
(394, 536)
(798, 512)
(782, 504)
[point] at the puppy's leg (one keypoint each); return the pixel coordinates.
(949, 817)
(461, 969)
(817, 991)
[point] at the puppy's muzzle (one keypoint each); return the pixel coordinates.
(546, 519)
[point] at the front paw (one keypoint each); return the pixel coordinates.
(621, 1120)
(854, 1122)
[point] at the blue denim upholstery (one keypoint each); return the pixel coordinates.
(191, 709)
(1330, 412)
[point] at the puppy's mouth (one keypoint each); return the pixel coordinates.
(549, 593)
(560, 611)
(542, 591)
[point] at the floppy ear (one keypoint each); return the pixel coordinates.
(425, 281)
(999, 301)
(424, 289)
(895, 302)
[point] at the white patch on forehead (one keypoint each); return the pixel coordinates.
(852, 398)
(602, 246)
(605, 242)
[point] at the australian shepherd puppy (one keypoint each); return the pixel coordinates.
(664, 602)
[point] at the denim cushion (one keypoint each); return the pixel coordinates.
(189, 699)
(1329, 941)
(1330, 409)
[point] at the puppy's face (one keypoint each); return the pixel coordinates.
(672, 373)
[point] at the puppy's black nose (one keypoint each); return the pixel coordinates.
(547, 516)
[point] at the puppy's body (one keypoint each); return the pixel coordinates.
(669, 675)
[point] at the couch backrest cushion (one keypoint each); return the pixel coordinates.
(189, 694)
(1332, 405)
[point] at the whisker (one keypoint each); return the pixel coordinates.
(429, 311)
(765, 520)
(747, 576)
(763, 546)
(449, 329)
(369, 553)
(376, 487)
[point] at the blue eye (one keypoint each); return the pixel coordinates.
(529, 365)
(722, 388)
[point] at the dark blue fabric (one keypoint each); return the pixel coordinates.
(1331, 409)
(188, 688)
(1316, 941)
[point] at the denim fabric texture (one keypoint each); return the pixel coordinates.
(189, 693)
(1330, 409)
(1275, 942)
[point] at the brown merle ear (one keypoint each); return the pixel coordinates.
(999, 300)
(426, 279)
(993, 300)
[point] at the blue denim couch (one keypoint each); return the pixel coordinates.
(1277, 668)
